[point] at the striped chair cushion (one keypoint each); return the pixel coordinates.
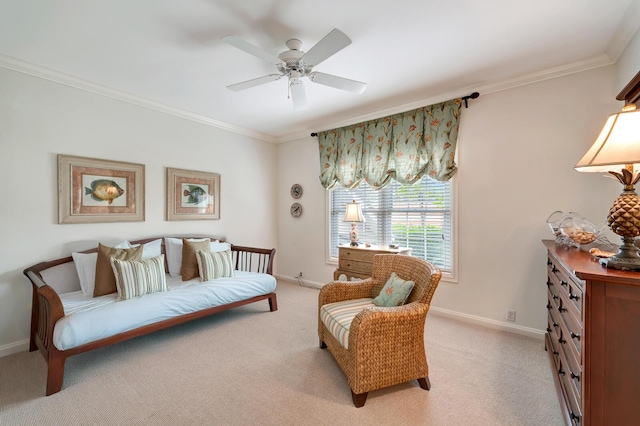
(337, 317)
(135, 278)
(215, 265)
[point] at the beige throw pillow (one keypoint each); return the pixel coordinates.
(105, 280)
(189, 267)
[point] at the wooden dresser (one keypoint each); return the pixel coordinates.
(358, 261)
(593, 338)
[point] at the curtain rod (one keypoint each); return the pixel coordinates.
(474, 95)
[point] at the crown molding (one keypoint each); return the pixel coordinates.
(24, 67)
(492, 87)
(484, 89)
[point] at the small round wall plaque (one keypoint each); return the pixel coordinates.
(296, 209)
(296, 191)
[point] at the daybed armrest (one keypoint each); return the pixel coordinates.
(378, 330)
(46, 310)
(338, 291)
(253, 259)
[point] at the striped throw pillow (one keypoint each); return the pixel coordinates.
(137, 278)
(215, 265)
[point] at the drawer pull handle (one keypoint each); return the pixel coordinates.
(561, 309)
(574, 416)
(574, 297)
(556, 325)
(549, 306)
(549, 283)
(561, 340)
(548, 329)
(561, 371)
(554, 269)
(575, 336)
(556, 353)
(549, 263)
(563, 283)
(554, 297)
(575, 376)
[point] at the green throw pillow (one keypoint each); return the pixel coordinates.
(394, 292)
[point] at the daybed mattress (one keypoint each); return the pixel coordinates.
(87, 318)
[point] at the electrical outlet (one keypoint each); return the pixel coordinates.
(511, 315)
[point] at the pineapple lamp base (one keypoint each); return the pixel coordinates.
(627, 258)
(624, 220)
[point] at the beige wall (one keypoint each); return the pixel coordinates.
(40, 119)
(628, 64)
(516, 154)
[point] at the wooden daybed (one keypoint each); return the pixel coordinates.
(47, 308)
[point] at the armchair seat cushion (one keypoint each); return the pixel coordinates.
(337, 317)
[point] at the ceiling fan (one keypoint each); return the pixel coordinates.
(296, 64)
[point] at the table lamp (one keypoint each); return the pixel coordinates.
(617, 151)
(353, 214)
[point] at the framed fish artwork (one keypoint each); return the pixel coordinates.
(192, 195)
(91, 190)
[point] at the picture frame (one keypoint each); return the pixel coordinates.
(92, 190)
(192, 195)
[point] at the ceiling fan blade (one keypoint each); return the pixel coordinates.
(255, 82)
(341, 83)
(331, 44)
(298, 94)
(251, 49)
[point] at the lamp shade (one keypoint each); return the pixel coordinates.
(617, 145)
(353, 213)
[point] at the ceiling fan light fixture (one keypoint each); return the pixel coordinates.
(298, 94)
(295, 64)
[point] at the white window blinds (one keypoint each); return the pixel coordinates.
(416, 216)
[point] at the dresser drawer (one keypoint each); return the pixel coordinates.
(572, 328)
(358, 255)
(566, 287)
(574, 402)
(356, 266)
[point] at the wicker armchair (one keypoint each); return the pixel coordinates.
(385, 345)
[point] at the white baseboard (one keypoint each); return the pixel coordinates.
(14, 348)
(485, 322)
(306, 282)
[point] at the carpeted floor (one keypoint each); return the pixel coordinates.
(249, 366)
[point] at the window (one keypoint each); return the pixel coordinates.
(418, 216)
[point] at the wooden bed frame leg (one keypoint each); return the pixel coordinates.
(424, 383)
(273, 303)
(55, 373)
(359, 399)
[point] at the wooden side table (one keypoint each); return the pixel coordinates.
(358, 261)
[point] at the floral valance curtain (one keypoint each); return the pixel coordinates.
(403, 146)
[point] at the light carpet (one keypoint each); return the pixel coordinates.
(249, 366)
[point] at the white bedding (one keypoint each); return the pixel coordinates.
(87, 318)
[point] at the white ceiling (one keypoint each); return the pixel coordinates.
(168, 54)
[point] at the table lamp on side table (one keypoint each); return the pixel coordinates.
(353, 214)
(617, 151)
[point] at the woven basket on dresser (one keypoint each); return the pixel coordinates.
(386, 345)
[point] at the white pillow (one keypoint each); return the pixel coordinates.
(150, 249)
(86, 268)
(173, 248)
